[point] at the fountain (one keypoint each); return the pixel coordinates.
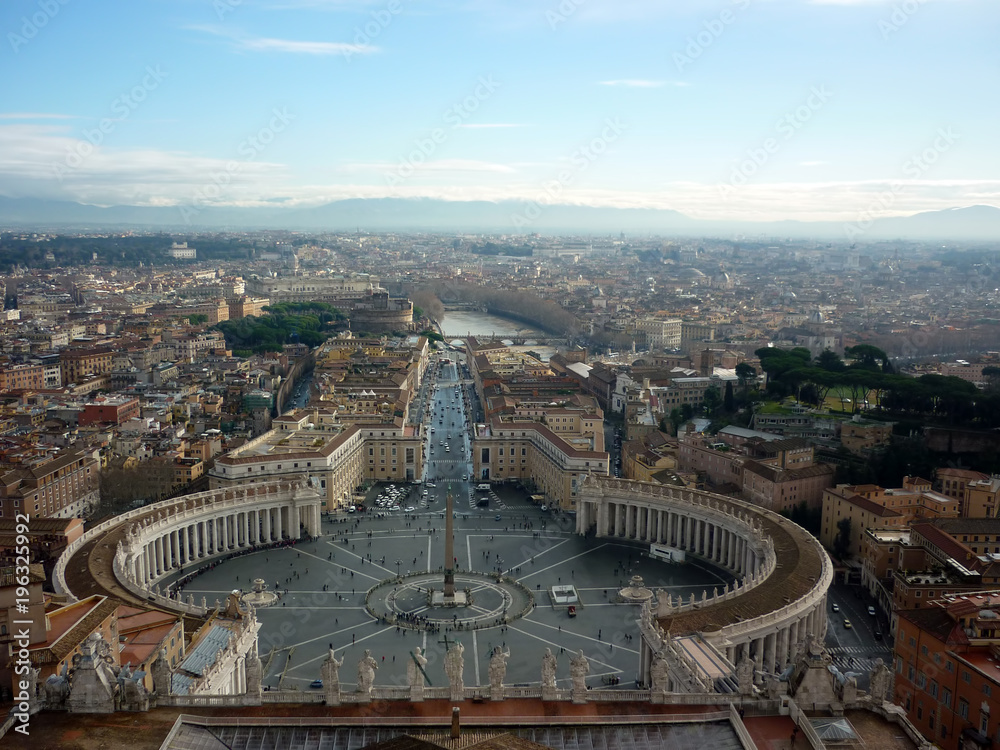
(259, 596)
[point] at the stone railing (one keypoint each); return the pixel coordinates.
(740, 728)
(154, 597)
(802, 722)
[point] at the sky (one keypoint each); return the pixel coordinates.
(720, 109)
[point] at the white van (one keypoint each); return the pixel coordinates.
(483, 487)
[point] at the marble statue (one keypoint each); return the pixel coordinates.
(366, 673)
(498, 668)
(454, 666)
(415, 668)
(744, 675)
(161, 674)
(548, 669)
(579, 668)
(659, 673)
(879, 682)
(254, 672)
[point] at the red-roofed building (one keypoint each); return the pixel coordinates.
(947, 665)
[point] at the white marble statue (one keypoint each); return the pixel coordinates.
(454, 666)
(548, 669)
(498, 667)
(415, 668)
(579, 668)
(366, 673)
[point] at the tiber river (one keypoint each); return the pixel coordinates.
(469, 322)
(466, 322)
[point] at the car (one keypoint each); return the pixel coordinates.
(572, 611)
(316, 684)
(430, 484)
(878, 635)
(465, 477)
(496, 517)
(871, 610)
(835, 607)
(847, 624)
(409, 509)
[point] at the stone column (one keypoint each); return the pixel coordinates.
(267, 524)
(758, 658)
(278, 523)
(782, 648)
(214, 525)
(770, 643)
(254, 518)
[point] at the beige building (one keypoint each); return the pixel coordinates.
(335, 456)
(512, 448)
(869, 506)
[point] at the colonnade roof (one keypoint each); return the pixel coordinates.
(799, 565)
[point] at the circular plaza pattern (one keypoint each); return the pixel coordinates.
(488, 601)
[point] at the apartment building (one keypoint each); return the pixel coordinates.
(869, 506)
(62, 487)
(515, 448)
(947, 675)
(977, 493)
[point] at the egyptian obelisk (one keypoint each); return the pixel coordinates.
(449, 549)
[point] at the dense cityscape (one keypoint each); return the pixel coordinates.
(852, 389)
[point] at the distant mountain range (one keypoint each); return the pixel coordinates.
(971, 223)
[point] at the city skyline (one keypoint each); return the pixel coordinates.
(738, 111)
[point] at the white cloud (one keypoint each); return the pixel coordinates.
(487, 125)
(251, 43)
(35, 116)
(640, 83)
(31, 155)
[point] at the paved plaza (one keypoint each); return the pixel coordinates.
(324, 584)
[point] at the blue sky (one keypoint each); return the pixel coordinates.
(740, 109)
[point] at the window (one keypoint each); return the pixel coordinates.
(966, 677)
(946, 697)
(963, 708)
(986, 688)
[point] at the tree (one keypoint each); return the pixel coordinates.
(729, 401)
(867, 357)
(745, 373)
(711, 401)
(842, 542)
(828, 360)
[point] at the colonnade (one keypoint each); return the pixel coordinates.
(716, 540)
(727, 533)
(231, 529)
